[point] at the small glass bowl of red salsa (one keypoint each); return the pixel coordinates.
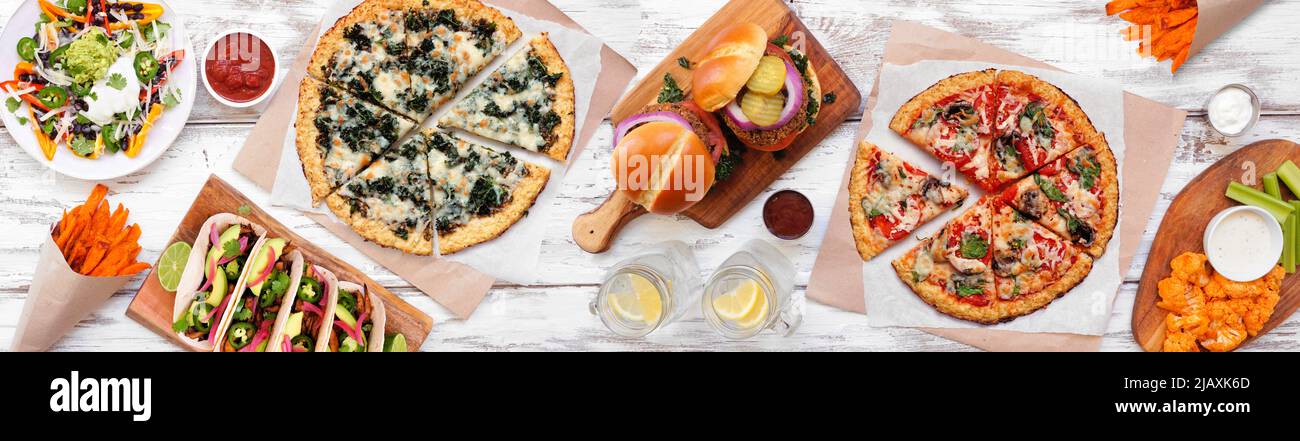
(239, 69)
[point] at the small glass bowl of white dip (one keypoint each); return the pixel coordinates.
(1233, 110)
(1243, 243)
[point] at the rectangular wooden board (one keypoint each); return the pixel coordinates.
(152, 305)
(759, 169)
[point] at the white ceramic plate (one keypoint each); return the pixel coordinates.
(164, 132)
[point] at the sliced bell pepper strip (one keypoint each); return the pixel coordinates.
(47, 146)
(54, 11)
(170, 62)
(151, 13)
(24, 68)
(136, 142)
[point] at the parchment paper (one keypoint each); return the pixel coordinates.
(890, 303)
(1150, 128)
(1217, 17)
(58, 299)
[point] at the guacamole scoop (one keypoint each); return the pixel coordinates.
(89, 57)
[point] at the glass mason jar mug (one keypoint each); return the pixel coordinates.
(647, 292)
(752, 292)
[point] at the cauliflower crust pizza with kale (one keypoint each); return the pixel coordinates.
(339, 135)
(479, 193)
(388, 203)
(528, 103)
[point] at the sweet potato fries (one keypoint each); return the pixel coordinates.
(1163, 28)
(96, 242)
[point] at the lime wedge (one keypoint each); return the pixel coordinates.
(172, 264)
(395, 343)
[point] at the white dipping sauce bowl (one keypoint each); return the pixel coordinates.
(1261, 263)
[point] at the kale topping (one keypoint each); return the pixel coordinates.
(357, 37)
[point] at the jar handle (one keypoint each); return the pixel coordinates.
(787, 323)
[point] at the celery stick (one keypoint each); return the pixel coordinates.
(1290, 175)
(1249, 196)
(1271, 185)
(1288, 248)
(1295, 235)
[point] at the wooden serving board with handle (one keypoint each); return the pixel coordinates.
(595, 231)
(1184, 226)
(152, 306)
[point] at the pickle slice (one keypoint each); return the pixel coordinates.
(764, 110)
(770, 76)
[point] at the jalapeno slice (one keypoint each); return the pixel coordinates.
(304, 342)
(53, 96)
(146, 67)
(348, 301)
(240, 334)
(27, 49)
(309, 290)
(56, 57)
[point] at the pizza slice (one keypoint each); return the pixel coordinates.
(339, 135)
(1077, 196)
(449, 42)
(953, 120)
(479, 193)
(890, 198)
(411, 56)
(1032, 266)
(363, 53)
(528, 103)
(1036, 124)
(953, 270)
(389, 202)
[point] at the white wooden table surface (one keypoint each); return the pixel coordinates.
(1071, 34)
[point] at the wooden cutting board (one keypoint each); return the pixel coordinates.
(152, 306)
(1183, 229)
(594, 231)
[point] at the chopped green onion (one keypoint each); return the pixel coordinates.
(1290, 175)
(1271, 185)
(1249, 196)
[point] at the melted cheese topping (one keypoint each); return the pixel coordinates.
(463, 173)
(351, 133)
(495, 110)
(395, 190)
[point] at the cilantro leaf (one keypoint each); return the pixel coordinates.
(13, 105)
(781, 41)
(117, 81)
(22, 120)
(82, 146)
(684, 62)
(244, 210)
(172, 98)
(230, 249)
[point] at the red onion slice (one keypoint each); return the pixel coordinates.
(635, 120)
(794, 101)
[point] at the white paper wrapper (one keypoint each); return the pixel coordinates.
(890, 303)
(514, 256)
(58, 299)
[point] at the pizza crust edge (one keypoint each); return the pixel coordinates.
(313, 163)
(483, 229)
(915, 107)
(564, 101)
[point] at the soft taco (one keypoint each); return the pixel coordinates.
(358, 321)
(269, 282)
(306, 327)
(215, 269)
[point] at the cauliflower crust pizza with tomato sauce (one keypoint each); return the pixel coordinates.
(1052, 203)
(890, 198)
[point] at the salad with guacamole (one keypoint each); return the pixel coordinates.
(93, 77)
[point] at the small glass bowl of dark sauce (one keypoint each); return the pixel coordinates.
(788, 214)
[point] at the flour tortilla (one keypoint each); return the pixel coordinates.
(378, 318)
(330, 284)
(192, 278)
(295, 277)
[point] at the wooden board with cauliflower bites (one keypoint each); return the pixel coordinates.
(742, 173)
(1161, 320)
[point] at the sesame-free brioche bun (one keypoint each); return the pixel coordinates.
(663, 167)
(733, 57)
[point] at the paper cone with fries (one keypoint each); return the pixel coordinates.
(1177, 29)
(88, 256)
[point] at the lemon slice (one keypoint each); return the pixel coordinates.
(172, 264)
(756, 317)
(641, 305)
(740, 302)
